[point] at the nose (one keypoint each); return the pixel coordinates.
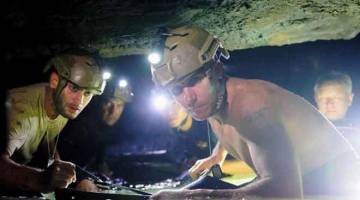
(329, 102)
(111, 108)
(79, 97)
(187, 98)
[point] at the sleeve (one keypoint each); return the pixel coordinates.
(18, 123)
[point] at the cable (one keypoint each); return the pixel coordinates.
(209, 139)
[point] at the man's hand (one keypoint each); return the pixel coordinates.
(201, 166)
(59, 175)
(87, 185)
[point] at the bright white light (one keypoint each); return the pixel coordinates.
(154, 58)
(123, 83)
(106, 75)
(160, 102)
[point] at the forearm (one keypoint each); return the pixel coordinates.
(259, 187)
(14, 175)
(200, 194)
(219, 154)
(272, 187)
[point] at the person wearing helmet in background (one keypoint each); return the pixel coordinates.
(85, 140)
(37, 113)
(291, 147)
(178, 117)
(113, 101)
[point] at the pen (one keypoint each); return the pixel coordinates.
(78, 168)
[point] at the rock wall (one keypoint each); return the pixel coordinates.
(125, 27)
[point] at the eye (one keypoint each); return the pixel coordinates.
(338, 99)
(192, 81)
(73, 87)
(87, 93)
(177, 89)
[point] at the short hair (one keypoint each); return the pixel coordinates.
(336, 77)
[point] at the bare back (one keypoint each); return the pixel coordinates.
(268, 127)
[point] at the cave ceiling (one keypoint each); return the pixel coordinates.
(124, 27)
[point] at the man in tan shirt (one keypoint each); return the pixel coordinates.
(36, 115)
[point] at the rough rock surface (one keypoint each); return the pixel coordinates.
(124, 27)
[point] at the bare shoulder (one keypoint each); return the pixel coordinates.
(251, 97)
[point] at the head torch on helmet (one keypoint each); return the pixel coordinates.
(121, 90)
(186, 50)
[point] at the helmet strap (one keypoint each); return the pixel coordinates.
(218, 80)
(221, 95)
(60, 87)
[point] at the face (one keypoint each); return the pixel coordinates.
(198, 98)
(333, 101)
(112, 110)
(72, 100)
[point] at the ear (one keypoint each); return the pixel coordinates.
(316, 98)
(351, 97)
(54, 80)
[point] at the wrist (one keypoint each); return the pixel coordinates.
(32, 179)
(215, 159)
(42, 181)
(219, 158)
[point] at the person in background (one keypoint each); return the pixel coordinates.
(36, 114)
(333, 95)
(178, 117)
(290, 146)
(193, 143)
(84, 141)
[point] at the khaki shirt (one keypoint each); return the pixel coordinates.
(28, 122)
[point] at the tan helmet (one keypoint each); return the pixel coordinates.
(81, 70)
(186, 50)
(114, 91)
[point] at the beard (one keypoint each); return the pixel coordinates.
(218, 97)
(211, 107)
(60, 107)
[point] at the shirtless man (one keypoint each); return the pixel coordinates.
(292, 148)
